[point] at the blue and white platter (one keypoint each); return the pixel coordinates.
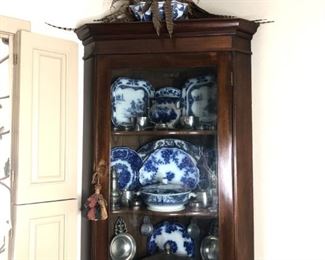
(130, 98)
(170, 165)
(145, 150)
(126, 163)
(199, 98)
(175, 235)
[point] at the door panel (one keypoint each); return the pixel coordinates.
(46, 129)
(45, 231)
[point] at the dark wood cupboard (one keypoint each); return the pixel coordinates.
(221, 47)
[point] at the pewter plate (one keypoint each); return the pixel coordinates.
(123, 247)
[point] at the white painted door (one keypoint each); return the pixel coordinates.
(45, 231)
(45, 119)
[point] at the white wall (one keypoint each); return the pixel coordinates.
(288, 107)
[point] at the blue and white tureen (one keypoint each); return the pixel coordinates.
(165, 197)
(166, 107)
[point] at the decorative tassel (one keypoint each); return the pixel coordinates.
(96, 204)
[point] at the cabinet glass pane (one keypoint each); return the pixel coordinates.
(164, 160)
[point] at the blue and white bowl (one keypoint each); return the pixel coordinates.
(175, 235)
(165, 197)
(180, 11)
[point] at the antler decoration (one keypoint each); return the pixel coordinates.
(96, 204)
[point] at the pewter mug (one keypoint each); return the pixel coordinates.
(141, 122)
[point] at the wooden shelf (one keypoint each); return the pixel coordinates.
(204, 213)
(163, 133)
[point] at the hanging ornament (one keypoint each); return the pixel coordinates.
(96, 204)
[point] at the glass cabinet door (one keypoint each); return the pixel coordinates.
(163, 150)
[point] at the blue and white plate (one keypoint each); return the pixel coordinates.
(145, 150)
(170, 165)
(127, 163)
(130, 98)
(199, 99)
(175, 235)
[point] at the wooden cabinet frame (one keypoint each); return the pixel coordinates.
(223, 43)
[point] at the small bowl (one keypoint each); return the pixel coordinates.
(165, 197)
(188, 122)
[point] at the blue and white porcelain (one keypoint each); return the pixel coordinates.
(130, 99)
(199, 99)
(165, 111)
(170, 166)
(180, 11)
(145, 150)
(126, 163)
(166, 107)
(168, 92)
(165, 197)
(175, 235)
